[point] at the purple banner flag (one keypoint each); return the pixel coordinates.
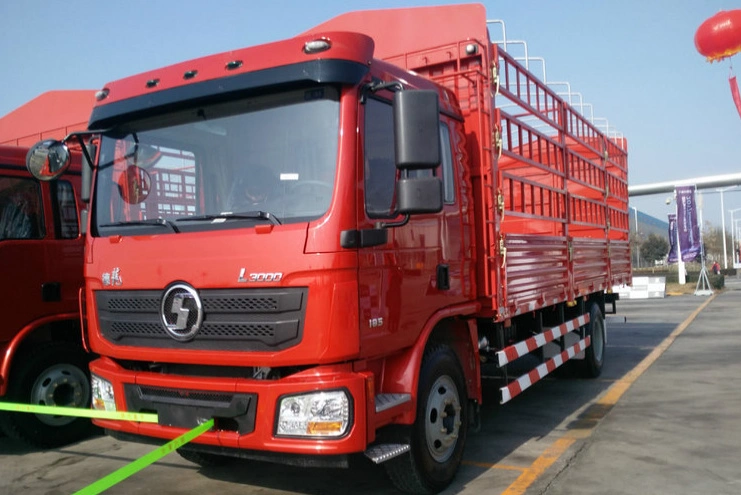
(672, 258)
(689, 230)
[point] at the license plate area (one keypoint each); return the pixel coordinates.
(183, 408)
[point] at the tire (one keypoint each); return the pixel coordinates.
(53, 374)
(438, 435)
(591, 366)
(204, 459)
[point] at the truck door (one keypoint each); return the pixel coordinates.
(22, 230)
(64, 248)
(419, 270)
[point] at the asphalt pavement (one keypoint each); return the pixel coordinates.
(677, 429)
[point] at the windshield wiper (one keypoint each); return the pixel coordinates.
(228, 215)
(163, 222)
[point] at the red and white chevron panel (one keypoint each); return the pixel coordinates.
(535, 375)
(509, 354)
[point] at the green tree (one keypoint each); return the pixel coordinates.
(654, 248)
(713, 242)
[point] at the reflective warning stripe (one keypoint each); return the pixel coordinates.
(535, 375)
(509, 354)
(142, 462)
(79, 412)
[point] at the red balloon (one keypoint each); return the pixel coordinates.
(719, 36)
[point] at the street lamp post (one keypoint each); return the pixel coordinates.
(733, 244)
(681, 276)
(723, 223)
(638, 246)
(635, 214)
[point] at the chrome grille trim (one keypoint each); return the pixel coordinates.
(234, 319)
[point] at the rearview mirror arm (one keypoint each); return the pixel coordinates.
(79, 136)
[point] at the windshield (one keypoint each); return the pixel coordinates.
(267, 159)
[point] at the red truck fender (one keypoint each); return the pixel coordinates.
(13, 345)
(401, 374)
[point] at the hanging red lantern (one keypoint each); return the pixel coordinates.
(719, 37)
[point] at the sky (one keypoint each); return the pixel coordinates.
(634, 61)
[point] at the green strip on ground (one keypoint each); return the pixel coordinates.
(79, 412)
(139, 464)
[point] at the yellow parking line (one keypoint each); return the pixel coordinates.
(539, 466)
(588, 421)
(488, 465)
(618, 389)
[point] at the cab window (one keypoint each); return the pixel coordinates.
(447, 157)
(66, 221)
(380, 164)
(21, 211)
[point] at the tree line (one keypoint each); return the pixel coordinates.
(647, 250)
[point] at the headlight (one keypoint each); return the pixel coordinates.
(103, 397)
(319, 414)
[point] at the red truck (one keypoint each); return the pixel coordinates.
(324, 243)
(42, 360)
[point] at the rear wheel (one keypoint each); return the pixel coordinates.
(438, 436)
(591, 366)
(54, 374)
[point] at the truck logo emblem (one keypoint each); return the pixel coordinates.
(113, 278)
(181, 312)
(258, 277)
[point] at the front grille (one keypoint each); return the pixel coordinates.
(247, 331)
(126, 328)
(135, 305)
(233, 319)
(252, 304)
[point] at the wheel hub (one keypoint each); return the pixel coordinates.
(443, 419)
(61, 385)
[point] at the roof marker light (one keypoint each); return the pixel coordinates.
(316, 46)
(102, 94)
(152, 83)
(190, 74)
(234, 64)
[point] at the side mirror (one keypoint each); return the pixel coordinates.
(47, 160)
(419, 195)
(417, 129)
(134, 184)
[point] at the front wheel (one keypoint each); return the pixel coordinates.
(438, 435)
(54, 374)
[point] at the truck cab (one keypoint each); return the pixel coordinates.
(270, 255)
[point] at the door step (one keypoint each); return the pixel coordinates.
(388, 401)
(384, 452)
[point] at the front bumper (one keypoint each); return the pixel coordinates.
(245, 410)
